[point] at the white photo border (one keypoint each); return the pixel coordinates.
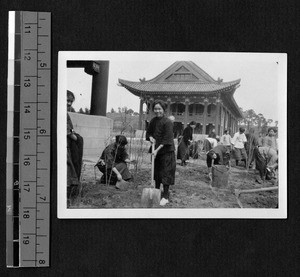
(253, 213)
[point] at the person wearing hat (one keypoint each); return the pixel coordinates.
(113, 162)
(184, 142)
(160, 132)
(238, 141)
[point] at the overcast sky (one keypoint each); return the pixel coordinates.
(260, 74)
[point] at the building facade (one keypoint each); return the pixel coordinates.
(191, 95)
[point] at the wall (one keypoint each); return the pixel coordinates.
(95, 130)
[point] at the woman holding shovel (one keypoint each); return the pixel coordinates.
(160, 133)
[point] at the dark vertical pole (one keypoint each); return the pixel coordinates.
(186, 112)
(141, 113)
(99, 90)
(217, 122)
(205, 116)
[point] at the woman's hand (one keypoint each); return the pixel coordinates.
(155, 153)
(152, 140)
(119, 176)
(130, 161)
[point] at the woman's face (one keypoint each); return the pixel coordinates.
(158, 110)
(70, 101)
(271, 133)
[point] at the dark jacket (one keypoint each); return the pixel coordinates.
(187, 134)
(161, 128)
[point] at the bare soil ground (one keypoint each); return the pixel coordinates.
(192, 188)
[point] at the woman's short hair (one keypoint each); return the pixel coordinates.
(122, 140)
(70, 94)
(242, 129)
(161, 103)
(272, 128)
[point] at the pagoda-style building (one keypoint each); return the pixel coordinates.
(190, 94)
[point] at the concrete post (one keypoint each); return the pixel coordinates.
(99, 87)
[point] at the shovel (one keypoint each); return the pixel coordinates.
(122, 185)
(151, 196)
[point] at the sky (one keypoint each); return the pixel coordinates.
(261, 88)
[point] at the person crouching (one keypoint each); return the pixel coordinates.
(219, 155)
(113, 162)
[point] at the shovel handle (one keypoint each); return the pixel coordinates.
(152, 163)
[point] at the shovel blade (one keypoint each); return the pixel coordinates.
(122, 185)
(150, 197)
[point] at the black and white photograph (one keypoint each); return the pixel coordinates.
(172, 135)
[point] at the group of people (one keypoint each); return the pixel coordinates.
(114, 159)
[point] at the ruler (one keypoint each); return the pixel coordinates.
(28, 140)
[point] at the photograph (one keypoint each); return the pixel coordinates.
(172, 135)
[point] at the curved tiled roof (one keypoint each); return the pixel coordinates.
(183, 77)
(177, 86)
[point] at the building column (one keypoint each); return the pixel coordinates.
(186, 112)
(141, 113)
(217, 121)
(151, 113)
(169, 106)
(204, 116)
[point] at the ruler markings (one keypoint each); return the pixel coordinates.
(32, 63)
(36, 149)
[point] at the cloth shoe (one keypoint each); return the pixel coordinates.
(163, 202)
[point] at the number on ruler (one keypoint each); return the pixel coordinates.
(43, 198)
(27, 108)
(26, 161)
(27, 56)
(27, 135)
(26, 214)
(27, 187)
(26, 240)
(27, 83)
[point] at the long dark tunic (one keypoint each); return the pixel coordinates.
(183, 146)
(74, 155)
(161, 128)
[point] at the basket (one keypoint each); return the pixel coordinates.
(220, 175)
